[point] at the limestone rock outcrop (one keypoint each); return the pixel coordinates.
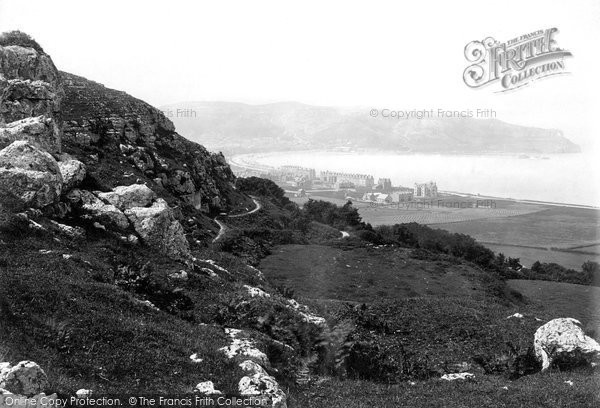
(158, 228)
(29, 176)
(563, 342)
(30, 86)
(129, 133)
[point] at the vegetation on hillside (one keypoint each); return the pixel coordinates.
(21, 39)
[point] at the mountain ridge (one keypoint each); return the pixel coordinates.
(236, 127)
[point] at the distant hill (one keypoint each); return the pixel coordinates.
(238, 127)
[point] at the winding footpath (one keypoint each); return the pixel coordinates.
(223, 228)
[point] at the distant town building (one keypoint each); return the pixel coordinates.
(296, 171)
(402, 196)
(381, 198)
(340, 179)
(425, 190)
(384, 184)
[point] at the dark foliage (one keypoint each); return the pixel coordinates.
(21, 39)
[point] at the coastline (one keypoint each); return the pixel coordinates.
(251, 161)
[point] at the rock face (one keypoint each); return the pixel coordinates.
(30, 86)
(158, 228)
(562, 342)
(129, 134)
(25, 378)
(135, 206)
(29, 175)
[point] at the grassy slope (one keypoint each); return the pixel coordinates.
(436, 312)
(563, 299)
(366, 273)
(71, 315)
(543, 390)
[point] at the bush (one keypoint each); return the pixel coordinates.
(21, 39)
(263, 188)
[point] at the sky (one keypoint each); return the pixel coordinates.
(369, 54)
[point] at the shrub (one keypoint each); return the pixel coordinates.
(21, 39)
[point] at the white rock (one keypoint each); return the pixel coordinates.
(254, 292)
(83, 393)
(124, 197)
(516, 316)
(303, 311)
(569, 382)
(263, 385)
(25, 378)
(195, 359)
(73, 172)
(243, 347)
(181, 275)
(97, 210)
(563, 341)
(158, 228)
(29, 176)
(207, 387)
(457, 376)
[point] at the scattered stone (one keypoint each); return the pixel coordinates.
(563, 342)
(207, 387)
(516, 316)
(181, 275)
(67, 256)
(209, 272)
(195, 359)
(457, 376)
(83, 393)
(569, 382)
(243, 347)
(303, 311)
(256, 292)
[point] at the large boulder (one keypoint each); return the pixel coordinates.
(25, 378)
(73, 172)
(125, 197)
(158, 228)
(562, 342)
(29, 175)
(97, 210)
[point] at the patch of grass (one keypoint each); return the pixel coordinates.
(538, 391)
(362, 273)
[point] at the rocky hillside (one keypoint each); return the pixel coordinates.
(237, 127)
(108, 277)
